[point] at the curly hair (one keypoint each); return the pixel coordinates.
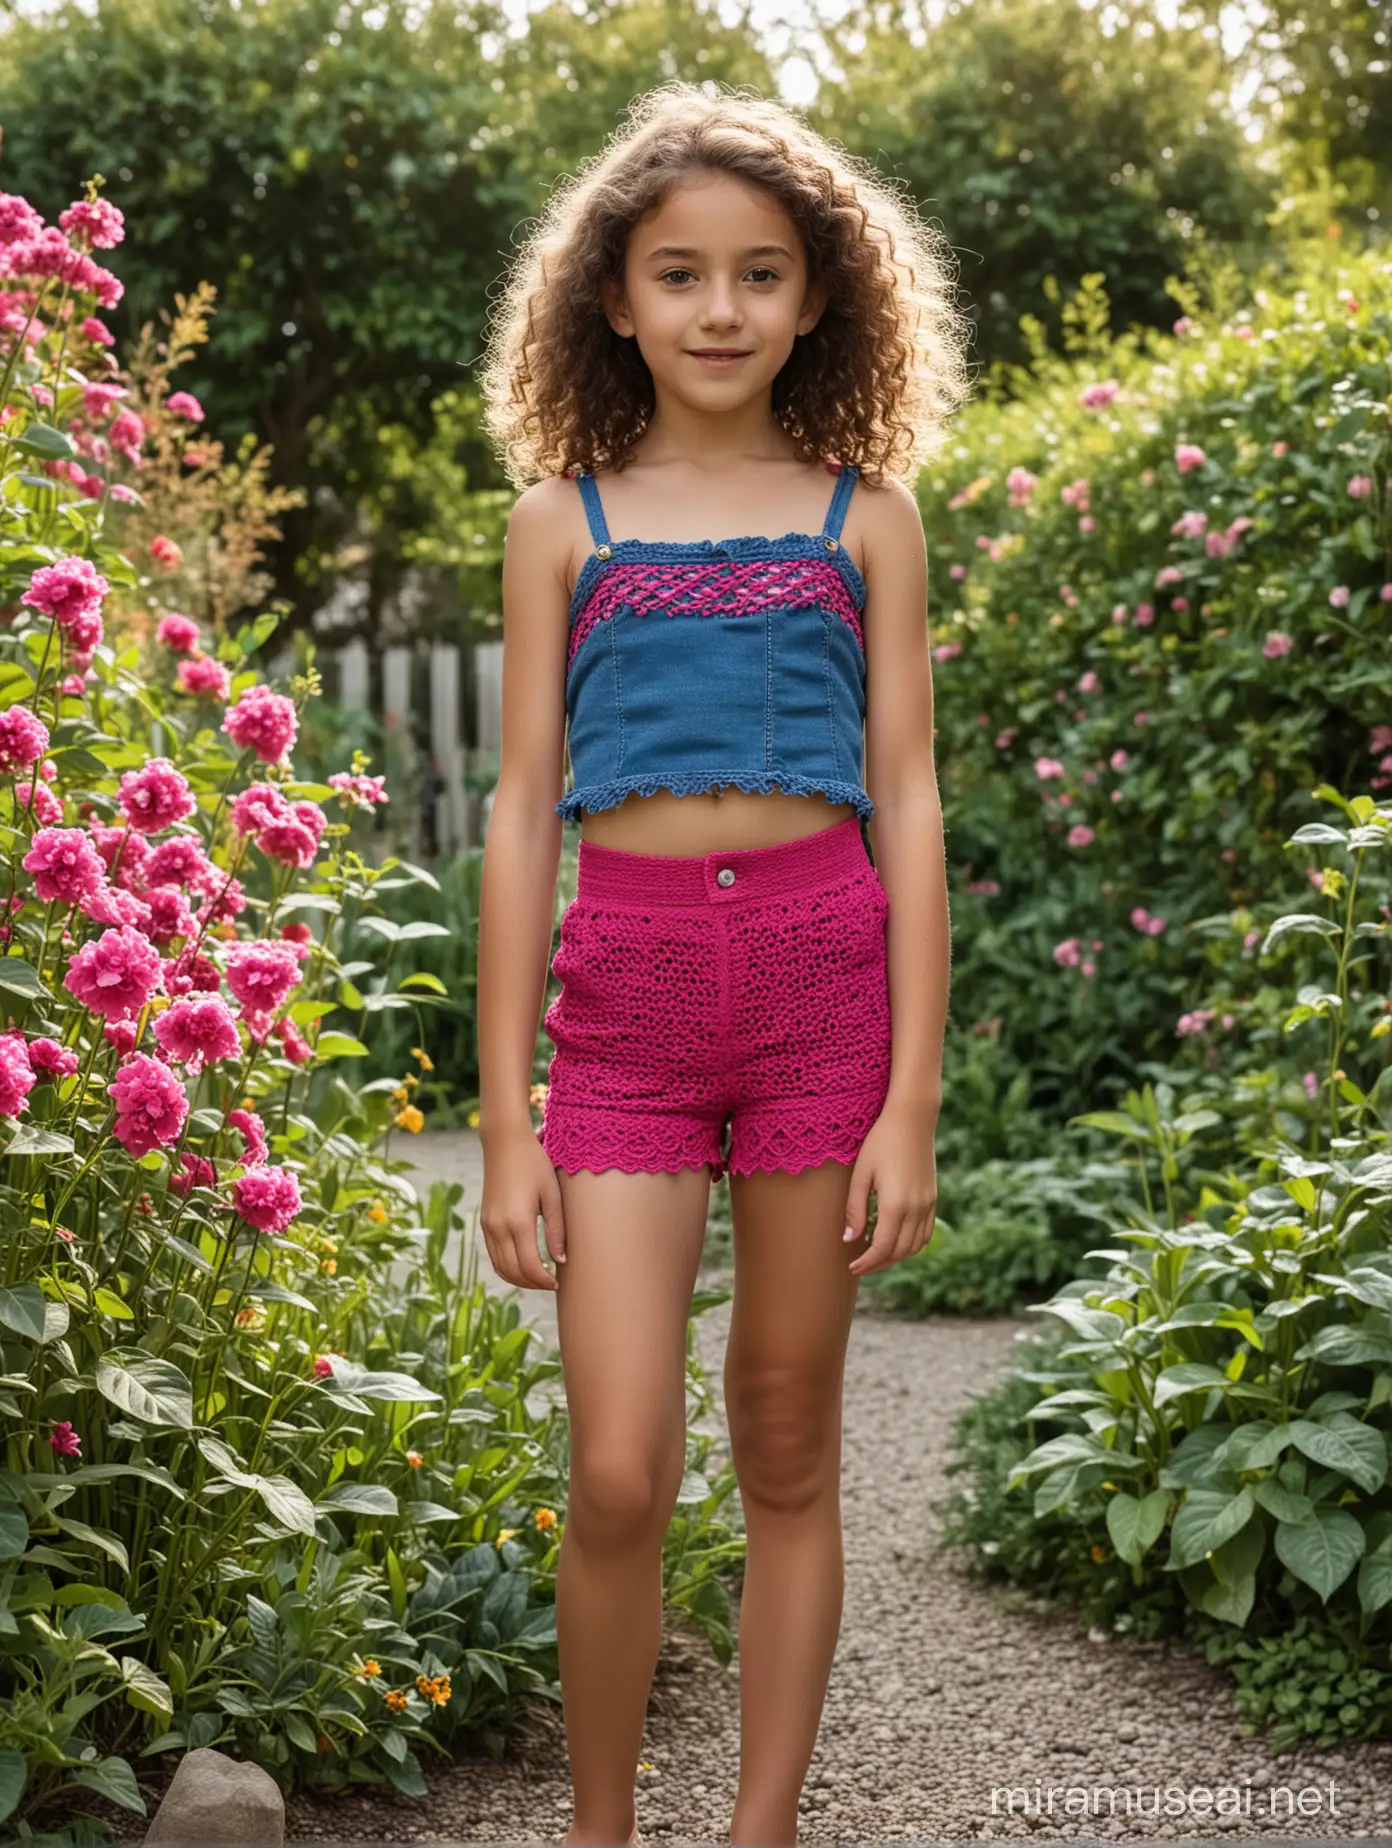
(874, 382)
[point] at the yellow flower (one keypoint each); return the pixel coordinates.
(427, 1064)
(472, 1119)
(539, 1093)
(396, 1699)
(1381, 1029)
(410, 1118)
(545, 1518)
(1099, 1554)
(253, 1316)
(423, 1686)
(401, 1095)
(369, 1668)
(329, 1245)
(328, 1267)
(377, 1213)
(414, 1458)
(506, 1533)
(441, 1691)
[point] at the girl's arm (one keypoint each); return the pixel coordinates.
(523, 847)
(906, 832)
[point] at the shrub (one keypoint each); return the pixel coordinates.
(1160, 618)
(1223, 1392)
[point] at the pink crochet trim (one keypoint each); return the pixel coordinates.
(716, 587)
(792, 1136)
(590, 1137)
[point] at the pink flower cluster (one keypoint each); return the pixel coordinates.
(286, 831)
(198, 1032)
(23, 739)
(264, 722)
(367, 791)
(66, 866)
(267, 1198)
(156, 796)
(115, 974)
(17, 1074)
(150, 1105)
(71, 592)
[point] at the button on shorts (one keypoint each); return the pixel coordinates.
(730, 1008)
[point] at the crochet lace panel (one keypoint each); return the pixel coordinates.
(715, 587)
(611, 792)
(671, 1021)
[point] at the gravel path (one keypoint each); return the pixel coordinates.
(942, 1691)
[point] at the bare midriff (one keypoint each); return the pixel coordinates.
(716, 821)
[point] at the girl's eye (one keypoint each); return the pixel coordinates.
(762, 273)
(668, 275)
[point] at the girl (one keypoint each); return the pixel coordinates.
(724, 326)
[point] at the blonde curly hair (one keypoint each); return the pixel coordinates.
(873, 384)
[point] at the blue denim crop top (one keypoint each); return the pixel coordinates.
(695, 664)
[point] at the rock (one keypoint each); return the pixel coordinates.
(213, 1799)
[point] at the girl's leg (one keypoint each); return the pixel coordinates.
(634, 1246)
(784, 1367)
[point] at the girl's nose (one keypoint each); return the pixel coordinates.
(720, 307)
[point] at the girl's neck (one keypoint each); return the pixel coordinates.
(678, 432)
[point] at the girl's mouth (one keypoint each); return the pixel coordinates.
(718, 357)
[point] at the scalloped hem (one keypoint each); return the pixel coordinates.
(591, 1141)
(789, 1147)
(598, 796)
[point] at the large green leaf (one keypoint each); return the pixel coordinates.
(358, 1498)
(112, 1778)
(361, 1382)
(1187, 1376)
(22, 1310)
(1135, 1523)
(1322, 1551)
(13, 1773)
(155, 1391)
(1206, 1519)
(1356, 1450)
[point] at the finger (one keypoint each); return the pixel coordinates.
(877, 1254)
(857, 1205)
(534, 1274)
(555, 1223)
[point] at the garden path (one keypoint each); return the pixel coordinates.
(942, 1689)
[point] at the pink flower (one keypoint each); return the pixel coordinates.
(109, 904)
(1087, 524)
(46, 808)
(1168, 574)
(1279, 449)
(150, 1105)
(267, 1198)
(264, 722)
(1080, 835)
(204, 677)
(957, 571)
(181, 861)
(69, 591)
(197, 1171)
(1339, 596)
(116, 974)
(1045, 767)
(46, 1055)
(156, 796)
(178, 632)
(1190, 525)
(1088, 682)
(166, 551)
(253, 1134)
(1180, 604)
(23, 739)
(289, 841)
(261, 975)
(122, 1034)
(1276, 644)
(1068, 954)
(1156, 925)
(189, 973)
(947, 651)
(1311, 1083)
(170, 916)
(1188, 456)
(367, 791)
(123, 853)
(1020, 484)
(1384, 596)
(1119, 759)
(1075, 494)
(17, 1074)
(1183, 326)
(66, 866)
(1094, 397)
(1190, 1024)
(64, 1440)
(257, 807)
(184, 404)
(1360, 487)
(295, 1046)
(198, 1032)
(323, 1366)
(1145, 615)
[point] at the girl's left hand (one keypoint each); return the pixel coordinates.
(898, 1164)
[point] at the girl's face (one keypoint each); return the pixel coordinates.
(715, 291)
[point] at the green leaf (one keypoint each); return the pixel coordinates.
(14, 1530)
(361, 1382)
(1375, 1579)
(1322, 1551)
(424, 979)
(421, 927)
(94, 1536)
(110, 1304)
(13, 1773)
(114, 1779)
(1298, 922)
(1188, 1376)
(381, 927)
(1356, 1450)
(1229, 1603)
(22, 1310)
(19, 978)
(41, 439)
(350, 996)
(144, 1689)
(358, 1498)
(30, 1139)
(339, 1046)
(155, 1391)
(1136, 1523)
(1206, 1519)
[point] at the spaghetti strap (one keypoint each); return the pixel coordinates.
(594, 509)
(840, 499)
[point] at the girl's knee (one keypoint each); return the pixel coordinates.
(785, 1443)
(619, 1499)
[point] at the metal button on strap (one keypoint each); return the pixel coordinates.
(726, 876)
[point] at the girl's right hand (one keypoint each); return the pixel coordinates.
(519, 1183)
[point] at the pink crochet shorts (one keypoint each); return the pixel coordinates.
(730, 1008)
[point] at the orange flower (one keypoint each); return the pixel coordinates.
(396, 1699)
(414, 1458)
(545, 1518)
(410, 1118)
(369, 1668)
(329, 1266)
(1099, 1554)
(377, 1213)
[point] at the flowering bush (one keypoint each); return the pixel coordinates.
(251, 1491)
(1220, 1407)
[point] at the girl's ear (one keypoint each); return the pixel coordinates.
(813, 306)
(616, 307)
